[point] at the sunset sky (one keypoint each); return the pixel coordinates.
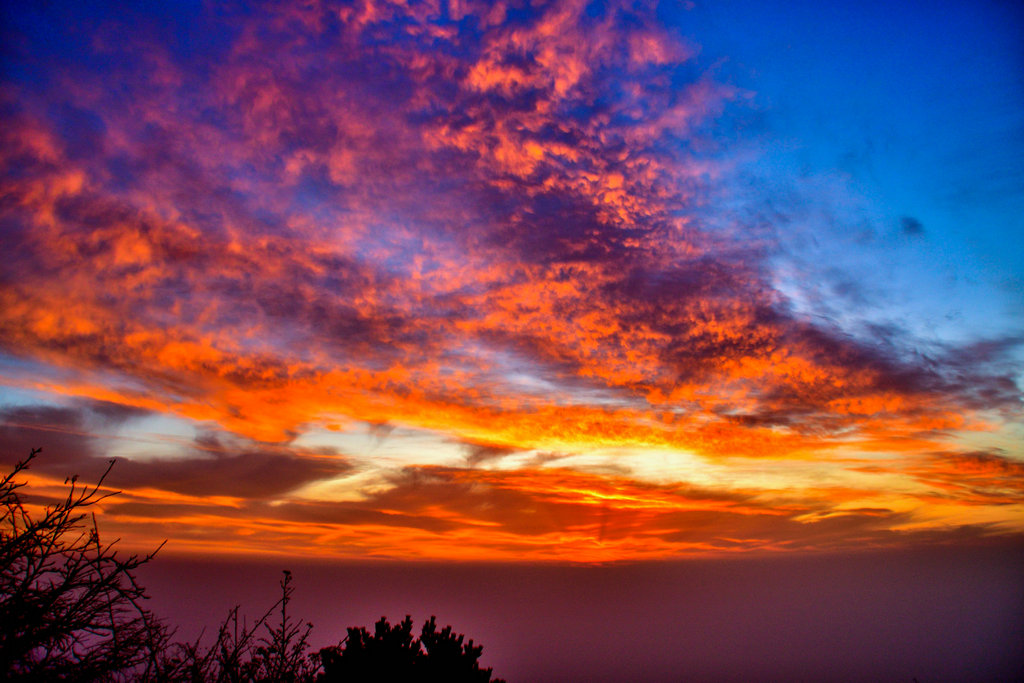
(518, 281)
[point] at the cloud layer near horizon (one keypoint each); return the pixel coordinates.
(492, 222)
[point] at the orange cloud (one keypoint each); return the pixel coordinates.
(488, 224)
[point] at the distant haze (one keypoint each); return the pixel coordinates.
(938, 614)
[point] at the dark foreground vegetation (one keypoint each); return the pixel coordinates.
(72, 610)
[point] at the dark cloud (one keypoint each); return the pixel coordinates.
(972, 478)
(510, 511)
(81, 130)
(248, 474)
(723, 528)
(113, 413)
(211, 467)
(380, 431)
(354, 515)
(982, 374)
(911, 226)
(480, 453)
(545, 501)
(60, 431)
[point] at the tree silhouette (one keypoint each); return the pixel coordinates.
(237, 655)
(391, 653)
(281, 654)
(70, 608)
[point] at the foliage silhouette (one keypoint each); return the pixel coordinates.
(71, 610)
(237, 655)
(391, 653)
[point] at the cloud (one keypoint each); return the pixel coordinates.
(911, 226)
(56, 430)
(69, 435)
(250, 474)
(497, 223)
(481, 453)
(537, 514)
(973, 478)
(208, 466)
(222, 494)
(441, 202)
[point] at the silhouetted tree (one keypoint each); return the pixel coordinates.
(70, 607)
(280, 655)
(71, 610)
(448, 658)
(392, 653)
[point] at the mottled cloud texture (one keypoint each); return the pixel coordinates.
(488, 221)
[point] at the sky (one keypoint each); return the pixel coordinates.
(581, 283)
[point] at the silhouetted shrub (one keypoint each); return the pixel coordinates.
(391, 653)
(70, 608)
(280, 655)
